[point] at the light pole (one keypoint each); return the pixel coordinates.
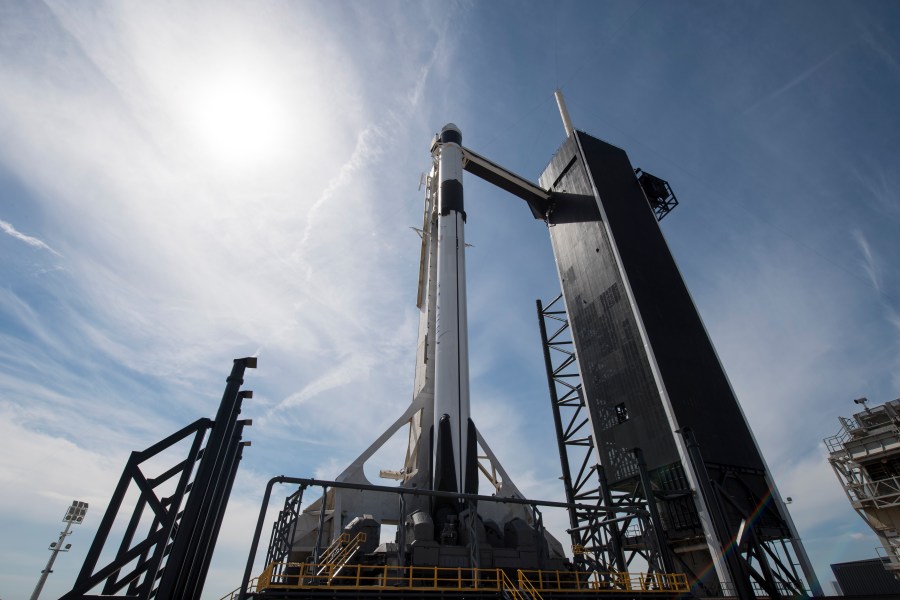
(75, 515)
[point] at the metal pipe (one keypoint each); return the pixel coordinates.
(564, 113)
(256, 534)
(318, 547)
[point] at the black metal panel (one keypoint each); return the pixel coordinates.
(625, 296)
(626, 406)
(615, 370)
(861, 577)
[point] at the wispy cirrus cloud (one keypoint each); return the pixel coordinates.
(34, 242)
(869, 261)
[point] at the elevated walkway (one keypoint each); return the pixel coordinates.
(295, 580)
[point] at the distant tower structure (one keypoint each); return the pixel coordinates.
(658, 410)
(865, 456)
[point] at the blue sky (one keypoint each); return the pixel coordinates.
(183, 185)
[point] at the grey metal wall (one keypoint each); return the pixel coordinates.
(617, 378)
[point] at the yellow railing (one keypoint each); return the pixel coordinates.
(336, 544)
(612, 581)
(233, 595)
(334, 548)
(345, 553)
(526, 586)
(533, 582)
(507, 585)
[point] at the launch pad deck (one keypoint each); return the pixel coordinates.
(408, 594)
(384, 582)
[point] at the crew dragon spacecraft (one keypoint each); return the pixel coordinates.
(445, 448)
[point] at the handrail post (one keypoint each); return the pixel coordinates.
(256, 535)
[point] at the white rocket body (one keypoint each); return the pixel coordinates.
(451, 391)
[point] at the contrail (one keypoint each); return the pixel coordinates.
(795, 82)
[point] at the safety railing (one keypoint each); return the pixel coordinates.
(534, 582)
(336, 556)
(510, 590)
(835, 443)
(883, 494)
(233, 595)
(609, 581)
(526, 587)
(334, 549)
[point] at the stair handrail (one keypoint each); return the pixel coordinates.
(508, 587)
(344, 556)
(526, 586)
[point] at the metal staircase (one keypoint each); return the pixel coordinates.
(335, 558)
(522, 589)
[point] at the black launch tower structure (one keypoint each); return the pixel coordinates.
(643, 408)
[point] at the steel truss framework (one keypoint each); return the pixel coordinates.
(659, 194)
(186, 502)
(765, 565)
(283, 529)
(620, 534)
(873, 492)
(761, 561)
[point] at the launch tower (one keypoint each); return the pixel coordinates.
(651, 399)
(658, 460)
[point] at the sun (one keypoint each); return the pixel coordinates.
(238, 119)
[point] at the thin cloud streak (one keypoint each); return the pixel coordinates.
(869, 262)
(31, 241)
(794, 82)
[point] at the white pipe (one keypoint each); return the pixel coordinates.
(564, 113)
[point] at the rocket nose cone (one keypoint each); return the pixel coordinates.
(451, 133)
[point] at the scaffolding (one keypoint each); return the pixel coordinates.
(865, 456)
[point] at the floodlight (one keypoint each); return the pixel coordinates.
(76, 512)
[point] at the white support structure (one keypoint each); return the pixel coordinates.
(865, 456)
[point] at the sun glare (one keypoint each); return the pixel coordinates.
(238, 120)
